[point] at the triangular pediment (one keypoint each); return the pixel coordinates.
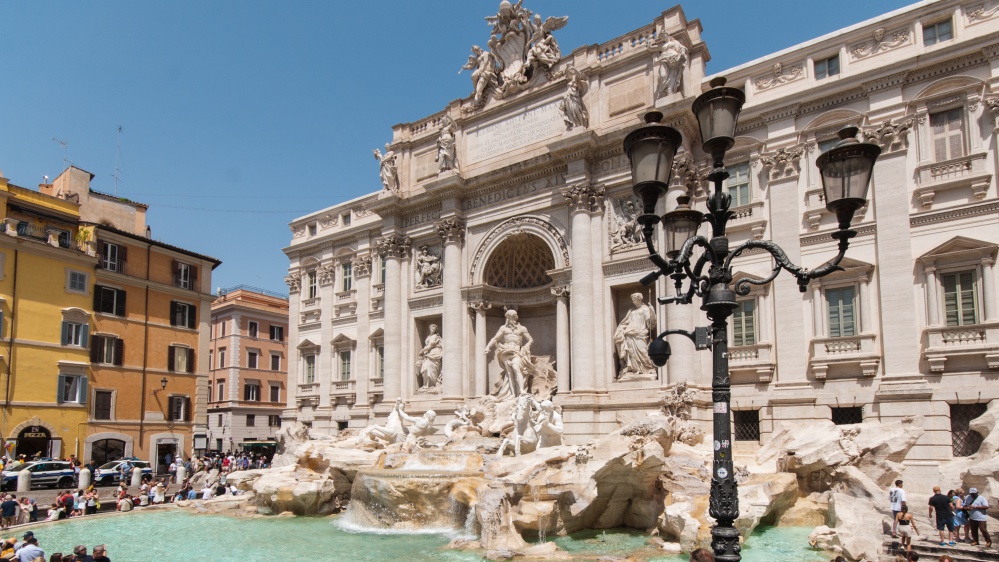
(343, 341)
(959, 246)
(307, 344)
(377, 334)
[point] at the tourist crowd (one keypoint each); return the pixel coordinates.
(28, 550)
(949, 513)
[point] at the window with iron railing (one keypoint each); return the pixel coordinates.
(964, 441)
(112, 257)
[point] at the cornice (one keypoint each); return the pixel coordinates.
(948, 215)
(947, 67)
(625, 267)
(822, 238)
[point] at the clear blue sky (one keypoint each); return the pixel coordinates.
(239, 116)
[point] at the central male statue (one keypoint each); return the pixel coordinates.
(513, 353)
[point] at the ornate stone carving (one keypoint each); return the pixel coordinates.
(328, 221)
(294, 283)
(780, 75)
(428, 362)
(521, 46)
(428, 269)
(574, 111)
(393, 246)
(631, 340)
(451, 230)
(447, 154)
(671, 61)
(503, 230)
(583, 196)
(521, 371)
(361, 266)
(993, 106)
(561, 292)
(388, 169)
(297, 231)
(979, 12)
(783, 163)
(685, 173)
(362, 212)
(325, 274)
(480, 305)
(880, 42)
(623, 228)
(890, 136)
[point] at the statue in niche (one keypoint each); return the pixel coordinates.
(483, 67)
(447, 156)
(388, 169)
(573, 109)
(670, 62)
(428, 269)
(624, 228)
(631, 339)
(429, 361)
(513, 353)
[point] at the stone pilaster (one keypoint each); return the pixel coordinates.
(581, 199)
(481, 361)
(392, 249)
(452, 233)
(360, 371)
(563, 362)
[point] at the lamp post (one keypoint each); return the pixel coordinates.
(846, 172)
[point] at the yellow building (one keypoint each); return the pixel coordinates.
(46, 297)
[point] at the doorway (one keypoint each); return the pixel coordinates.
(34, 441)
(165, 454)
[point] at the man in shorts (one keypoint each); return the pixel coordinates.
(945, 516)
(896, 497)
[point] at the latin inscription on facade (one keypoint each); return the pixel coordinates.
(514, 192)
(421, 218)
(533, 125)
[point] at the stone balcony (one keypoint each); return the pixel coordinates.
(948, 342)
(310, 303)
(757, 358)
(749, 218)
(966, 172)
(346, 303)
(343, 390)
(308, 394)
(858, 352)
(815, 209)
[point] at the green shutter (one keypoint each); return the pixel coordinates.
(119, 309)
(66, 333)
(192, 316)
(83, 393)
(85, 335)
(60, 383)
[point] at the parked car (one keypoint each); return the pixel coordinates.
(109, 473)
(43, 473)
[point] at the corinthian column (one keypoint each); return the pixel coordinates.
(362, 272)
(481, 361)
(562, 361)
(452, 232)
(392, 249)
(581, 199)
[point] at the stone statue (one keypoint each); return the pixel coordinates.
(428, 269)
(388, 170)
(670, 63)
(422, 427)
(465, 421)
(522, 437)
(544, 49)
(574, 111)
(393, 431)
(447, 156)
(513, 353)
(624, 228)
(483, 67)
(548, 424)
(429, 361)
(632, 339)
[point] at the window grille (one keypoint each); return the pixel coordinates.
(848, 416)
(964, 441)
(747, 425)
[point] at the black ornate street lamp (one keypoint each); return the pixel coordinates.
(846, 172)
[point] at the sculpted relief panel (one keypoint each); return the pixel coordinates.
(623, 228)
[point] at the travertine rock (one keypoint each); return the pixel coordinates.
(809, 511)
(981, 470)
(824, 538)
(763, 498)
(855, 521)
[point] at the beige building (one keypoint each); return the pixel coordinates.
(537, 215)
(249, 359)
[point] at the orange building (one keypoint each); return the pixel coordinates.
(249, 374)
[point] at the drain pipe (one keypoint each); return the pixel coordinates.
(10, 352)
(145, 354)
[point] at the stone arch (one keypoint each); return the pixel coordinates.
(949, 85)
(529, 225)
(834, 118)
(88, 445)
(33, 421)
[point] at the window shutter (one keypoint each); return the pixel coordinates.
(176, 267)
(84, 393)
(122, 253)
(65, 333)
(192, 316)
(98, 289)
(173, 313)
(194, 272)
(190, 360)
(60, 384)
(85, 335)
(171, 361)
(119, 308)
(119, 352)
(95, 350)
(187, 409)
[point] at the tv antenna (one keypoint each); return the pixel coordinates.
(117, 157)
(63, 144)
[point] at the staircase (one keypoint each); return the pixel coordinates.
(931, 550)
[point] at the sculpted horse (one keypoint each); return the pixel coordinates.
(522, 438)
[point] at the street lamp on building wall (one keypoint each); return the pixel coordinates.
(846, 172)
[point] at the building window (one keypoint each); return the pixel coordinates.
(251, 359)
(102, 404)
(960, 298)
(220, 420)
(937, 32)
(827, 67)
(209, 399)
(211, 360)
(184, 275)
(275, 362)
(848, 416)
(747, 425)
(312, 229)
(309, 374)
(744, 323)
(72, 389)
(345, 365)
(221, 395)
(738, 184)
(251, 392)
(180, 359)
(251, 420)
(109, 301)
(222, 358)
(252, 329)
(183, 315)
(180, 408)
(222, 328)
(311, 284)
(275, 393)
(112, 257)
(76, 282)
(107, 349)
(382, 266)
(347, 276)
(273, 421)
(75, 333)
(841, 306)
(277, 333)
(964, 441)
(345, 219)
(218, 444)
(380, 358)
(947, 130)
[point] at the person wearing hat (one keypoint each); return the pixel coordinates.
(21, 543)
(977, 507)
(80, 554)
(100, 554)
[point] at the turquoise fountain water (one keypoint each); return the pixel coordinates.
(178, 535)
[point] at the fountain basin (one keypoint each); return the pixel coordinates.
(413, 499)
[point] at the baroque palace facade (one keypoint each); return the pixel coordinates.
(519, 197)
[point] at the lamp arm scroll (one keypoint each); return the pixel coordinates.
(781, 261)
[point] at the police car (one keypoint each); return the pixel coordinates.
(110, 472)
(43, 473)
